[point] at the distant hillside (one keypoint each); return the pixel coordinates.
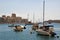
(53, 21)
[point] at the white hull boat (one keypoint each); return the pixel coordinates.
(46, 32)
(41, 32)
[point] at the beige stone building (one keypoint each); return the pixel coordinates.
(13, 19)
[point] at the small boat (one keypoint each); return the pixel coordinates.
(12, 25)
(19, 28)
(29, 24)
(35, 26)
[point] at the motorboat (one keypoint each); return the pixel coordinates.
(19, 28)
(12, 25)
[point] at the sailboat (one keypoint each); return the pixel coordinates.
(29, 21)
(46, 30)
(35, 25)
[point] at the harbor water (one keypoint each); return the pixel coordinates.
(7, 33)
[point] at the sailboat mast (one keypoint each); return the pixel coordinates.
(28, 16)
(33, 17)
(43, 11)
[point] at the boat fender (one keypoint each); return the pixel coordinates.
(53, 34)
(57, 36)
(24, 27)
(30, 32)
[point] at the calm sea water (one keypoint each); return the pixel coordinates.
(7, 33)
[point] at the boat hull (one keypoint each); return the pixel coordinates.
(17, 30)
(43, 33)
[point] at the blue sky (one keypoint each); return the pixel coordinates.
(24, 7)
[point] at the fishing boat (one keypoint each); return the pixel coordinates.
(46, 30)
